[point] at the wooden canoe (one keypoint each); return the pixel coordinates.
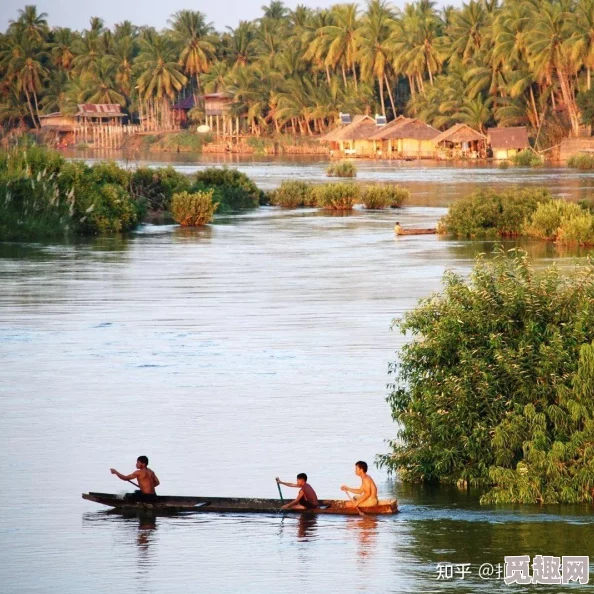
(172, 504)
(412, 231)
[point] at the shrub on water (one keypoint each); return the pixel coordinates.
(235, 190)
(293, 194)
(193, 209)
(487, 213)
(336, 196)
(503, 165)
(545, 221)
(496, 387)
(527, 158)
(581, 161)
(577, 229)
(41, 194)
(157, 186)
(376, 196)
(341, 169)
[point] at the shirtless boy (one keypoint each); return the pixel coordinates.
(147, 479)
(366, 493)
(306, 498)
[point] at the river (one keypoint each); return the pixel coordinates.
(229, 355)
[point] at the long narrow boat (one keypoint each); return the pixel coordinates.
(171, 504)
(414, 231)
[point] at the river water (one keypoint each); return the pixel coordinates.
(253, 348)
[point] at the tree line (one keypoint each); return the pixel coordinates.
(518, 62)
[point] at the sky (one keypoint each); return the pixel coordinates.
(76, 14)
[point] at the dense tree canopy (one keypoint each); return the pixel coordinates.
(496, 388)
(522, 62)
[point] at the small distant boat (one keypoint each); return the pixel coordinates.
(172, 504)
(398, 230)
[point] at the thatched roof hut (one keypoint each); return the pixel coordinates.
(458, 134)
(406, 128)
(360, 128)
(100, 110)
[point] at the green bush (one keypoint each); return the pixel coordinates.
(336, 196)
(41, 194)
(581, 161)
(293, 194)
(486, 213)
(496, 387)
(233, 189)
(503, 165)
(527, 158)
(376, 196)
(193, 209)
(577, 229)
(186, 141)
(564, 222)
(157, 186)
(341, 169)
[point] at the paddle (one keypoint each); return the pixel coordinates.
(133, 483)
(280, 493)
(356, 506)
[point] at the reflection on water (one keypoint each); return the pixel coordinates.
(255, 348)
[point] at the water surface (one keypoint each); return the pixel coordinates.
(229, 355)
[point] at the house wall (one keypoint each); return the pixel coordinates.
(59, 120)
(502, 154)
(572, 146)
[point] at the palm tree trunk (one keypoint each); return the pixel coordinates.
(31, 109)
(328, 74)
(536, 119)
(355, 79)
(344, 79)
(380, 80)
(390, 94)
(411, 84)
(569, 101)
(589, 78)
(36, 105)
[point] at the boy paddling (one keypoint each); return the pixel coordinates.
(306, 498)
(366, 493)
(147, 479)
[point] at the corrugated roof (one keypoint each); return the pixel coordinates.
(100, 108)
(459, 133)
(187, 103)
(515, 137)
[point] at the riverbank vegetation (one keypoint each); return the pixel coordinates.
(294, 71)
(193, 209)
(336, 196)
(496, 388)
(513, 213)
(376, 196)
(581, 161)
(293, 194)
(341, 169)
(527, 158)
(43, 195)
(232, 189)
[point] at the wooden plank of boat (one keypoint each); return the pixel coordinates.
(414, 231)
(171, 504)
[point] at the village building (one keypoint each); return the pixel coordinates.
(507, 142)
(405, 138)
(218, 115)
(461, 142)
(59, 127)
(181, 110)
(353, 139)
(100, 113)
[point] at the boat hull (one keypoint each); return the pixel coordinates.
(173, 504)
(415, 231)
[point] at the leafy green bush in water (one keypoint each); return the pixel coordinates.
(233, 189)
(564, 222)
(293, 194)
(336, 196)
(527, 158)
(376, 196)
(487, 213)
(41, 194)
(157, 186)
(186, 140)
(496, 389)
(193, 209)
(341, 169)
(581, 161)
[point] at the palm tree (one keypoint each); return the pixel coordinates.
(375, 50)
(101, 86)
(476, 113)
(190, 31)
(31, 23)
(582, 41)
(468, 29)
(241, 44)
(548, 52)
(343, 39)
(61, 48)
(160, 76)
